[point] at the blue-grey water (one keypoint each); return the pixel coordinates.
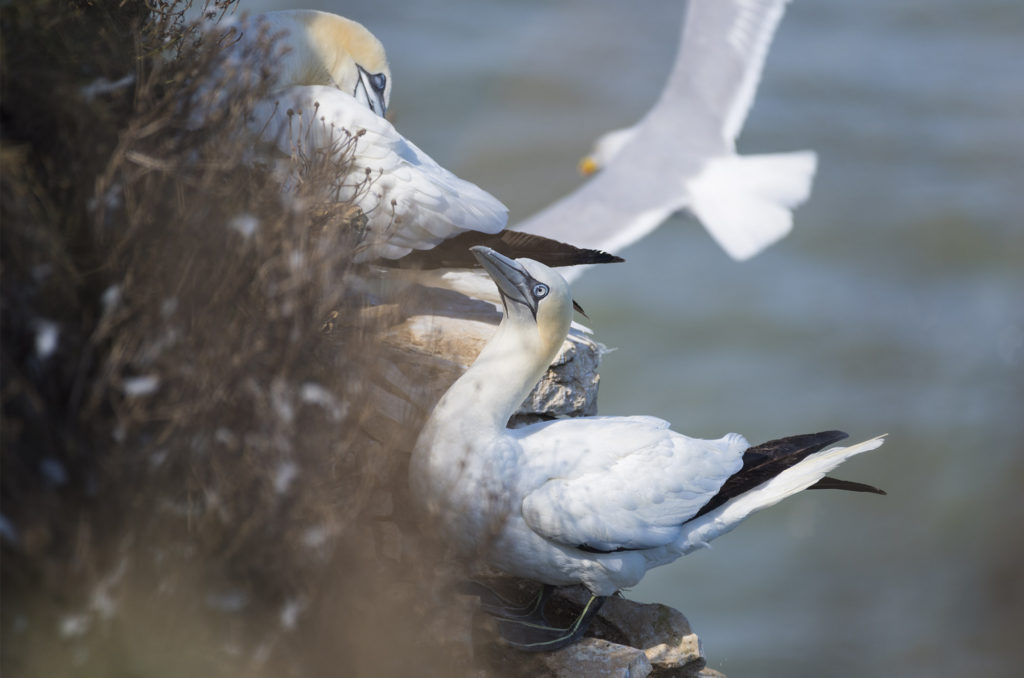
(895, 306)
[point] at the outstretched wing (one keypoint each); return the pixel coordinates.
(632, 493)
(719, 63)
(695, 121)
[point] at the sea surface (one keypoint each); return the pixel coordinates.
(895, 306)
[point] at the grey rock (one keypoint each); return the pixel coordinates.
(597, 658)
(661, 632)
(623, 632)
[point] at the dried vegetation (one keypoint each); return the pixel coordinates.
(193, 479)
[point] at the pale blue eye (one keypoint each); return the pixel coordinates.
(540, 290)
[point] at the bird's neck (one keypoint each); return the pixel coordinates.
(498, 381)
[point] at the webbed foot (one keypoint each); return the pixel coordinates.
(533, 636)
(495, 605)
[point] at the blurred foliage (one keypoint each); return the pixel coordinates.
(192, 476)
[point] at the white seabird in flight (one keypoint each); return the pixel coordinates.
(332, 87)
(596, 501)
(682, 153)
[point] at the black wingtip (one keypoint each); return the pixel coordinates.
(806, 441)
(767, 460)
(551, 252)
(829, 483)
(600, 257)
(454, 252)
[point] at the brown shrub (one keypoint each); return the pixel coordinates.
(190, 476)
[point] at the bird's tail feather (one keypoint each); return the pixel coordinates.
(829, 483)
(745, 202)
(808, 473)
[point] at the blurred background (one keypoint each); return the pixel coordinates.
(895, 306)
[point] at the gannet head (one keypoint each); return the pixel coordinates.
(531, 292)
(605, 148)
(327, 49)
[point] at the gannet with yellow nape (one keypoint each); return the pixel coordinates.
(596, 501)
(332, 86)
(312, 47)
(410, 202)
(682, 153)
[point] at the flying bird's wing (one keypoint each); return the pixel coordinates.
(635, 492)
(720, 61)
(681, 154)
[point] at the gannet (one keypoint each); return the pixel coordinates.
(332, 85)
(682, 153)
(410, 202)
(597, 500)
(311, 47)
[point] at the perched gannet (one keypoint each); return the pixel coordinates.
(596, 501)
(682, 153)
(410, 201)
(332, 87)
(319, 48)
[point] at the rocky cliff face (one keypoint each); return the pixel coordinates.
(630, 640)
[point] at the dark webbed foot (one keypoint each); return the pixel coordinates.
(525, 627)
(533, 636)
(495, 605)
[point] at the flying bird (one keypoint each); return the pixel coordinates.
(331, 88)
(596, 501)
(682, 153)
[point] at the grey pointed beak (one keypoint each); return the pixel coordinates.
(512, 280)
(368, 93)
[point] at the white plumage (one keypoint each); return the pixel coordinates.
(631, 487)
(682, 153)
(409, 200)
(332, 86)
(593, 500)
(311, 47)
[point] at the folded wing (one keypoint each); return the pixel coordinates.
(633, 491)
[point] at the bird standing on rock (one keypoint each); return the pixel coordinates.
(596, 501)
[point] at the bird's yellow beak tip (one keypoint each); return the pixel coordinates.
(587, 166)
